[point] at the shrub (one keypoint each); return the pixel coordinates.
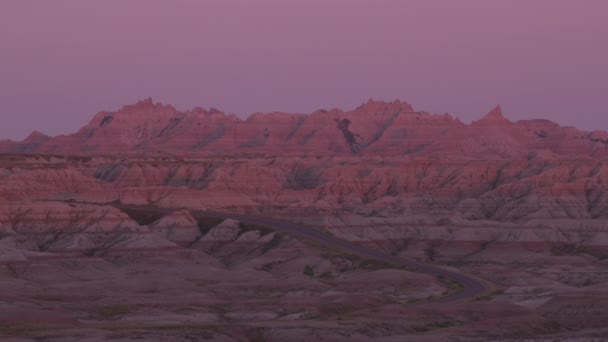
(113, 311)
(309, 271)
(303, 178)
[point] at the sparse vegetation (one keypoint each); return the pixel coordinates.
(109, 173)
(156, 195)
(114, 311)
(326, 275)
(303, 178)
(431, 251)
(103, 241)
(16, 270)
(309, 271)
(420, 328)
(452, 286)
(256, 335)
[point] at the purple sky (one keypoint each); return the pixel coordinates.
(62, 61)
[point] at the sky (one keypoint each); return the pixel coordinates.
(63, 61)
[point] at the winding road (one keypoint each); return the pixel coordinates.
(471, 287)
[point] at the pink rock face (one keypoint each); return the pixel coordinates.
(371, 129)
(97, 227)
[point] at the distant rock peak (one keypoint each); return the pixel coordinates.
(35, 136)
(147, 104)
(375, 127)
(494, 116)
(147, 101)
(373, 106)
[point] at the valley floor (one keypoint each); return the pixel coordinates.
(240, 282)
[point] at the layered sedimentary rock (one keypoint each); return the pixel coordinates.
(382, 166)
(356, 197)
(96, 226)
(373, 128)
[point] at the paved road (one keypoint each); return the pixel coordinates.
(471, 286)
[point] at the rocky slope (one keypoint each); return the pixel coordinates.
(523, 205)
(102, 271)
(374, 128)
(360, 198)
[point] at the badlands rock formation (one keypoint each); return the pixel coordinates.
(85, 249)
(374, 128)
(379, 173)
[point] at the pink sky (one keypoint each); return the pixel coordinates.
(62, 61)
